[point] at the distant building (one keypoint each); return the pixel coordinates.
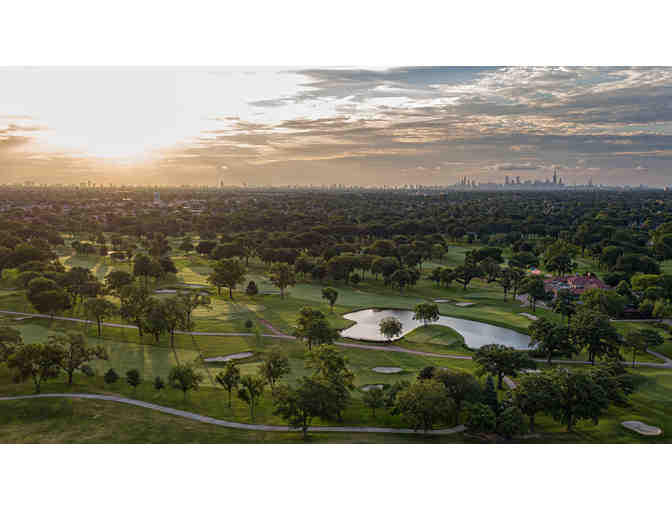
(576, 284)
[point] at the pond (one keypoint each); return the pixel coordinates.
(475, 334)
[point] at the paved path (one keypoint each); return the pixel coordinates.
(667, 362)
(231, 424)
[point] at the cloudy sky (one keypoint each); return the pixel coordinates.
(335, 125)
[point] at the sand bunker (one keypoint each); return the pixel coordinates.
(387, 370)
(642, 428)
(529, 316)
(443, 300)
(464, 304)
(238, 355)
(165, 291)
(369, 386)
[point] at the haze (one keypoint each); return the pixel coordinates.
(273, 126)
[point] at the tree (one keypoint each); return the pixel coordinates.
(135, 301)
(374, 399)
(51, 302)
(533, 394)
(510, 422)
(100, 309)
(39, 362)
(158, 383)
(460, 387)
(155, 322)
(535, 289)
(491, 270)
(142, 267)
(184, 378)
(390, 327)
(636, 342)
(401, 278)
(608, 302)
(229, 378)
(251, 289)
(250, 391)
(331, 295)
(499, 360)
(564, 303)
(466, 272)
(426, 312)
(282, 276)
(10, 340)
(133, 378)
(593, 331)
(186, 245)
(313, 327)
(424, 403)
(111, 376)
(481, 419)
(227, 273)
(506, 280)
(327, 363)
(192, 299)
(490, 397)
(311, 398)
(274, 367)
(176, 316)
(117, 280)
(75, 354)
(551, 339)
(576, 396)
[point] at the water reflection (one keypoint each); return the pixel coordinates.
(476, 334)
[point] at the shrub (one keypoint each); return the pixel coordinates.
(111, 376)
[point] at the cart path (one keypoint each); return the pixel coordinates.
(666, 362)
(230, 424)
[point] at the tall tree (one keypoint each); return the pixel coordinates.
(331, 295)
(227, 273)
(282, 276)
(275, 366)
(229, 378)
(329, 364)
(533, 395)
(311, 398)
(10, 340)
(593, 331)
(250, 391)
(99, 309)
(75, 354)
(424, 404)
(576, 396)
(313, 327)
(461, 387)
(551, 339)
(185, 378)
(499, 360)
(39, 362)
(426, 312)
(390, 327)
(135, 300)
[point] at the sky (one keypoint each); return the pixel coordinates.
(321, 126)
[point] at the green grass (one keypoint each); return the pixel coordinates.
(433, 338)
(85, 421)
